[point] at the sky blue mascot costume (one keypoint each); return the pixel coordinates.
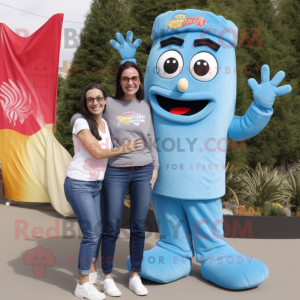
(190, 82)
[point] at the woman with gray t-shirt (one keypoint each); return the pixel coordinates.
(129, 116)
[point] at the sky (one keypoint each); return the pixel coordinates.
(73, 10)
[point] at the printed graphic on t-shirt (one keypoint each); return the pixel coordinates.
(94, 166)
(131, 117)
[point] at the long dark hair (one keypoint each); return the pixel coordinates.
(140, 94)
(86, 113)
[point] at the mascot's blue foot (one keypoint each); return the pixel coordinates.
(163, 266)
(234, 271)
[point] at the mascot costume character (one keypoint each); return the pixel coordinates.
(190, 82)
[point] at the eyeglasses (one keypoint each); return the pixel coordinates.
(134, 79)
(99, 99)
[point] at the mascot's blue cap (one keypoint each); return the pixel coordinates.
(179, 21)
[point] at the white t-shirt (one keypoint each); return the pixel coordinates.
(84, 166)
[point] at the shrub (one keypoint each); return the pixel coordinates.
(270, 209)
(127, 203)
(233, 184)
(230, 206)
(242, 211)
(275, 209)
(292, 185)
(261, 185)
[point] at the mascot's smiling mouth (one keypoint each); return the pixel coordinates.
(180, 107)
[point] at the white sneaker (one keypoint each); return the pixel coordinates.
(135, 284)
(110, 288)
(97, 277)
(88, 291)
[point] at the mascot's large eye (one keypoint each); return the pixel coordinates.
(169, 64)
(203, 66)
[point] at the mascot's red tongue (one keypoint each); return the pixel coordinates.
(179, 110)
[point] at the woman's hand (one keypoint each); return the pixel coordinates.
(153, 179)
(130, 146)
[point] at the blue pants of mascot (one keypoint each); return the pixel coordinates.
(183, 223)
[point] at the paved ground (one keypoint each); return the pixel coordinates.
(18, 280)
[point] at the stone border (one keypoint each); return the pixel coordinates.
(240, 226)
(1, 189)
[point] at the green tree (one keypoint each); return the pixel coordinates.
(143, 14)
(288, 17)
(61, 84)
(259, 43)
(263, 40)
(90, 62)
(268, 34)
(60, 88)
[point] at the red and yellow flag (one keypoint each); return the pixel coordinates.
(29, 153)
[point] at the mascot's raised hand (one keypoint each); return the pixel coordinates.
(126, 48)
(265, 93)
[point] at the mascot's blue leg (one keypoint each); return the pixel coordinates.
(220, 263)
(171, 258)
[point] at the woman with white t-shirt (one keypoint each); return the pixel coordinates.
(83, 183)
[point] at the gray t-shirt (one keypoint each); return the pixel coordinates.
(130, 119)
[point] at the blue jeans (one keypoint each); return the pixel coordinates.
(115, 186)
(85, 200)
